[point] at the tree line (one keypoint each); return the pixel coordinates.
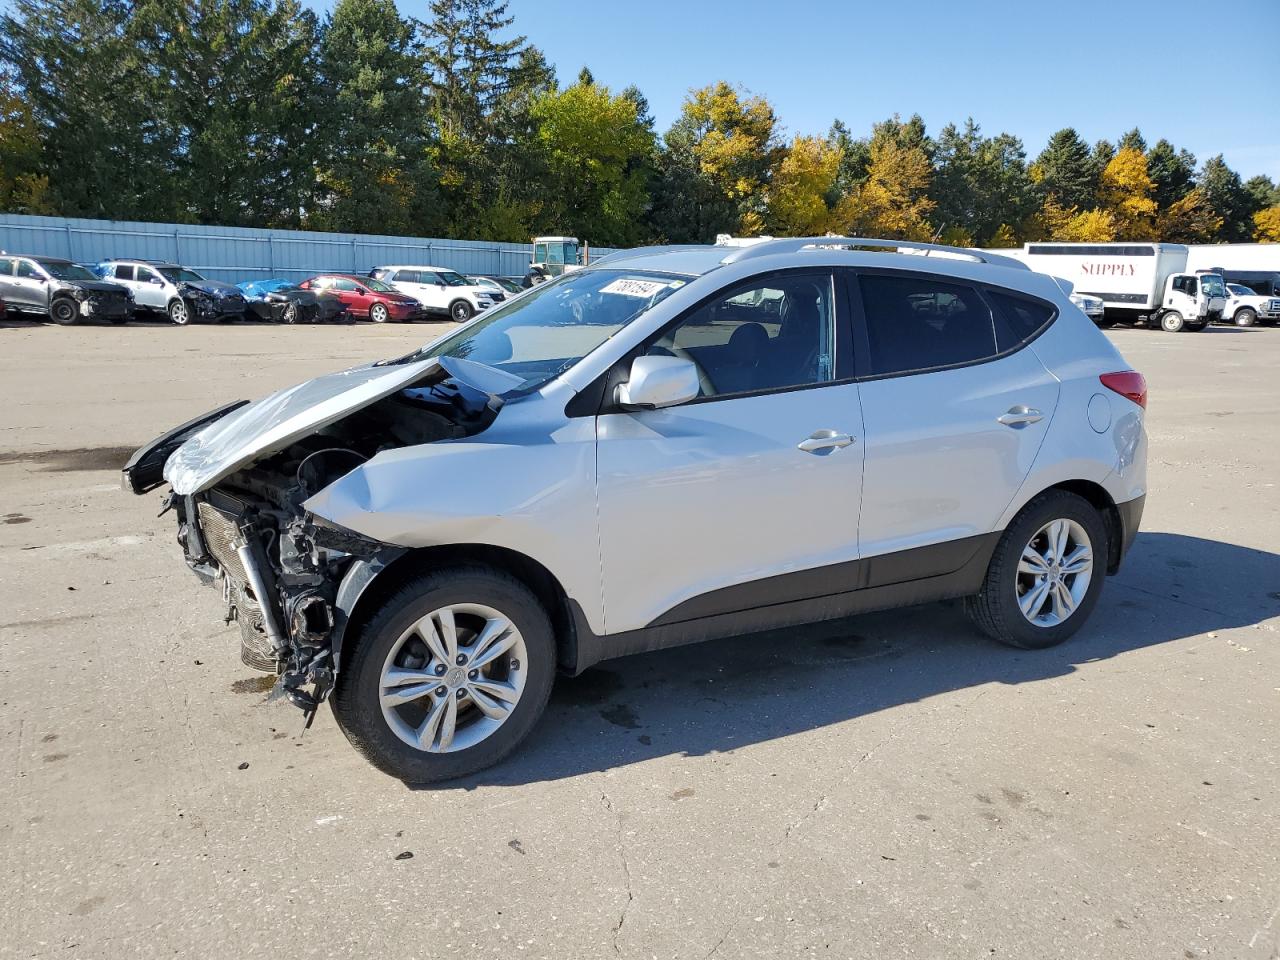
(259, 113)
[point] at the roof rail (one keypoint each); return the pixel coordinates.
(794, 244)
(636, 252)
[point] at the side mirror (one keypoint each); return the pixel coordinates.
(658, 382)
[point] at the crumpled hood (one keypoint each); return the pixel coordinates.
(215, 287)
(272, 423)
(97, 286)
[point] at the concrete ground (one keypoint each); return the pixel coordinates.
(889, 786)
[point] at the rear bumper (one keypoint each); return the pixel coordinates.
(1130, 519)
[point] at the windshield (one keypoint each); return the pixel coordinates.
(508, 285)
(377, 286)
(540, 335)
(454, 279)
(1213, 286)
(67, 271)
(181, 275)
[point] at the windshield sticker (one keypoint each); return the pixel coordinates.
(635, 288)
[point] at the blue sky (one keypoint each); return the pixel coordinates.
(1171, 67)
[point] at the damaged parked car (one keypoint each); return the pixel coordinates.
(63, 291)
(175, 291)
(283, 301)
(667, 446)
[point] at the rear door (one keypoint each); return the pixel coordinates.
(955, 408)
(30, 287)
(6, 281)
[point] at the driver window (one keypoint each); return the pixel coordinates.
(25, 269)
(765, 336)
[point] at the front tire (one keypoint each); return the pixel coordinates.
(448, 677)
(1246, 317)
(378, 313)
(64, 311)
(460, 311)
(1045, 575)
(1172, 322)
(179, 312)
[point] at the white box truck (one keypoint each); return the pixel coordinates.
(1135, 281)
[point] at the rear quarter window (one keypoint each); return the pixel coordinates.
(1019, 319)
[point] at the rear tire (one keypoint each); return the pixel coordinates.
(997, 609)
(361, 692)
(1245, 317)
(64, 311)
(1172, 322)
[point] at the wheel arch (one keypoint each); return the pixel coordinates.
(1101, 501)
(368, 585)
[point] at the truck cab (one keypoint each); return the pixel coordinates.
(1192, 301)
(555, 256)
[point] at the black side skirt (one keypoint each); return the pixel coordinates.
(905, 578)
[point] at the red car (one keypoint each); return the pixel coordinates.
(367, 298)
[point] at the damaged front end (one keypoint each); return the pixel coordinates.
(241, 476)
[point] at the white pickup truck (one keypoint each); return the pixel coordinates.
(1246, 307)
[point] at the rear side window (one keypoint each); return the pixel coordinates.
(123, 272)
(1019, 319)
(407, 276)
(924, 322)
(6, 267)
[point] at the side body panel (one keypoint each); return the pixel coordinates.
(710, 495)
(526, 484)
(939, 465)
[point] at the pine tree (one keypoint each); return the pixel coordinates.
(1227, 198)
(1133, 140)
(374, 174)
(77, 71)
(1262, 191)
(1172, 171)
(980, 183)
(1067, 171)
(472, 74)
(232, 86)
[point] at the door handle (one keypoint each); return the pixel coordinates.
(1020, 416)
(821, 440)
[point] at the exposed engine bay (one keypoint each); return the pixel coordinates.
(278, 566)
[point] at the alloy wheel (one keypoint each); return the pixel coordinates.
(1054, 572)
(453, 678)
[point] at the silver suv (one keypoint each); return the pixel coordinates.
(178, 292)
(670, 445)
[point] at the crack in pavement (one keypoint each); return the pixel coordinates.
(626, 872)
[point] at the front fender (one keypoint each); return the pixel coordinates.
(533, 494)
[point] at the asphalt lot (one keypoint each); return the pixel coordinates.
(889, 786)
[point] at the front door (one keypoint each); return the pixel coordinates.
(747, 496)
(149, 289)
(955, 410)
(6, 281)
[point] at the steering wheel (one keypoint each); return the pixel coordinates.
(666, 346)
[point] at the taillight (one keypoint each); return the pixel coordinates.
(1127, 383)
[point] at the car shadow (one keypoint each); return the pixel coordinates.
(718, 696)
